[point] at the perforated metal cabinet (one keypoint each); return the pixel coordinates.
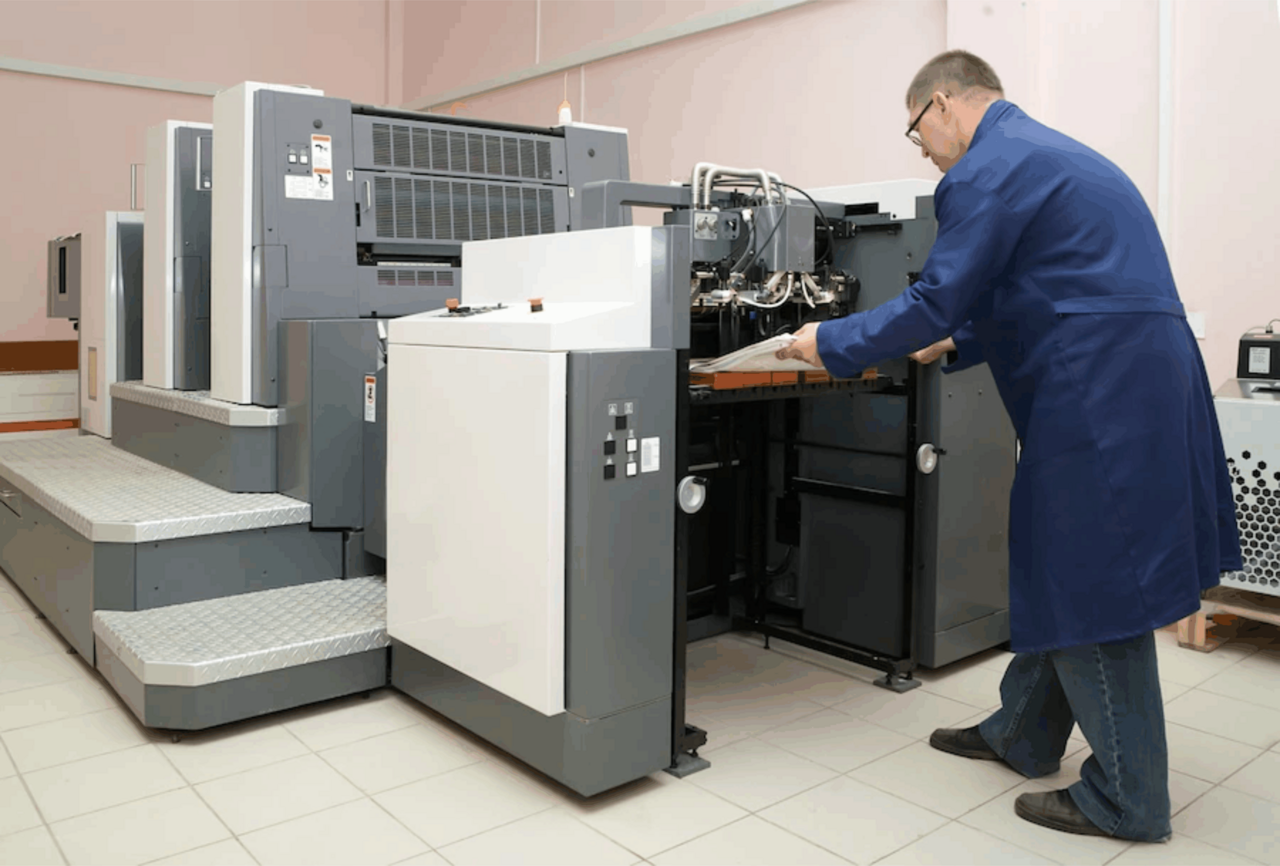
(1249, 417)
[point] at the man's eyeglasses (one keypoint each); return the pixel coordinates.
(911, 130)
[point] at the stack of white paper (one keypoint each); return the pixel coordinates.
(756, 358)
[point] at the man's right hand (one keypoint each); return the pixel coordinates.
(932, 353)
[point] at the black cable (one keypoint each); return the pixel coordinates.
(781, 219)
(831, 235)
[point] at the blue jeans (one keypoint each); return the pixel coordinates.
(1113, 692)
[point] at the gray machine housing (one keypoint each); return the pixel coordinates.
(129, 240)
(619, 598)
(420, 186)
(63, 296)
(193, 220)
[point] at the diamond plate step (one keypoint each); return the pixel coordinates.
(107, 494)
(198, 404)
(223, 639)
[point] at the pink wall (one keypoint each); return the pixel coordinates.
(69, 144)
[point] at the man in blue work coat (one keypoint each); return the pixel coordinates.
(1048, 268)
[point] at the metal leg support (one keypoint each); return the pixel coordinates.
(898, 682)
(687, 765)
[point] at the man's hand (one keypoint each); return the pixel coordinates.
(932, 353)
(805, 347)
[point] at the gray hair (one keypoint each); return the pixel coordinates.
(967, 74)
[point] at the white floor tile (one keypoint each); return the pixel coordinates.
(355, 834)
(50, 703)
(998, 819)
(655, 814)
(719, 734)
(1180, 851)
(974, 685)
(208, 755)
(915, 714)
(947, 784)
(753, 712)
(1184, 789)
(1237, 822)
(749, 842)
(431, 859)
(7, 768)
(1172, 691)
(15, 622)
(1253, 683)
(836, 740)
(841, 666)
(853, 820)
(13, 601)
(226, 853)
(74, 739)
(754, 775)
(276, 793)
(106, 780)
(818, 684)
(349, 720)
(1190, 667)
(36, 671)
(462, 803)
(141, 831)
(23, 645)
(1227, 717)
(957, 843)
(1261, 778)
(33, 847)
(17, 812)
(408, 755)
(1206, 756)
(551, 838)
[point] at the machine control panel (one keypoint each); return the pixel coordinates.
(625, 414)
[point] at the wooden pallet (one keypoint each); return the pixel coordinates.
(1227, 608)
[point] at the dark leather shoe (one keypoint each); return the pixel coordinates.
(1057, 811)
(966, 742)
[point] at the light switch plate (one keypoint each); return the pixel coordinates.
(1196, 321)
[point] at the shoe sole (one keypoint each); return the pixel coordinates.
(944, 746)
(1027, 815)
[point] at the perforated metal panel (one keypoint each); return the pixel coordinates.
(407, 208)
(1250, 422)
(436, 148)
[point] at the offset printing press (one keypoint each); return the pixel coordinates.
(610, 505)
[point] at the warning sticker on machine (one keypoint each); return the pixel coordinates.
(1259, 360)
(322, 152)
(371, 398)
(317, 186)
(649, 461)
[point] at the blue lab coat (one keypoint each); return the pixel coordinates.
(1049, 268)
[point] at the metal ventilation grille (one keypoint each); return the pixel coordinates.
(422, 209)
(424, 147)
(441, 278)
(1257, 494)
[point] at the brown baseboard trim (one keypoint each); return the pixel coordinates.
(28, 426)
(39, 356)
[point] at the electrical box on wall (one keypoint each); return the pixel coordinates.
(1259, 357)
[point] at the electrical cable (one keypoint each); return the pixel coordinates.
(831, 235)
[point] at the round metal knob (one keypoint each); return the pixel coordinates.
(691, 494)
(927, 459)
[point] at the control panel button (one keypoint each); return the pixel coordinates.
(610, 472)
(302, 158)
(632, 444)
(611, 447)
(620, 423)
(632, 468)
(293, 157)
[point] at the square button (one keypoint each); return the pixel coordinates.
(610, 472)
(611, 447)
(631, 446)
(302, 158)
(620, 423)
(631, 470)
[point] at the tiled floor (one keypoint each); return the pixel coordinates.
(810, 764)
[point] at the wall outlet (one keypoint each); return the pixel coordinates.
(1196, 321)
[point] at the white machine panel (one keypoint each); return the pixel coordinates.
(896, 197)
(475, 514)
(595, 286)
(99, 305)
(158, 254)
(231, 245)
(1249, 418)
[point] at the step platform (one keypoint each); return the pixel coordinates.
(85, 526)
(199, 665)
(227, 445)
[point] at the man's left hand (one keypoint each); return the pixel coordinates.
(805, 347)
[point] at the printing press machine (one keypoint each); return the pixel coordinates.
(439, 351)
